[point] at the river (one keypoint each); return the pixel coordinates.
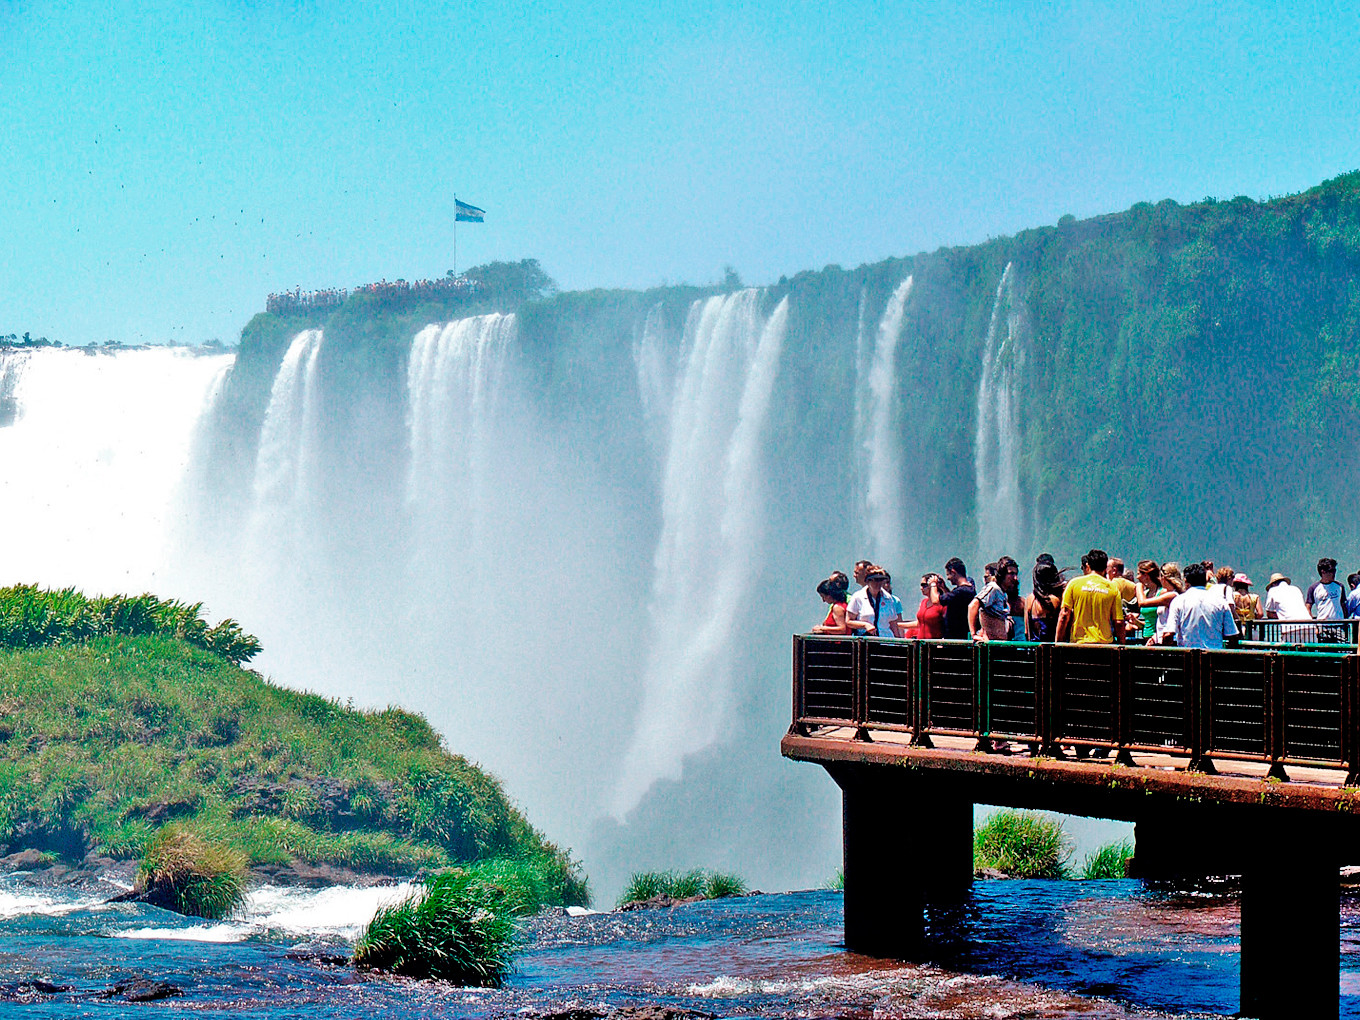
(1015, 949)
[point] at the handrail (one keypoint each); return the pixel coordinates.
(1260, 704)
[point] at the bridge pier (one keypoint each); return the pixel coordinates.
(1291, 932)
(906, 845)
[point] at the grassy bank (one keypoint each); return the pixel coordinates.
(681, 885)
(107, 738)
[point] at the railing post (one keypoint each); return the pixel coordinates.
(860, 698)
(982, 709)
(799, 678)
(1051, 697)
(1201, 714)
(1274, 676)
(1350, 717)
(919, 735)
(1123, 700)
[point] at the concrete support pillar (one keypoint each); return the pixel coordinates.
(903, 848)
(1291, 933)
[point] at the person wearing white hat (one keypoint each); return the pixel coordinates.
(1285, 602)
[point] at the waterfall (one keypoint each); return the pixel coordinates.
(284, 465)
(453, 383)
(655, 370)
(711, 531)
(879, 447)
(96, 445)
(996, 462)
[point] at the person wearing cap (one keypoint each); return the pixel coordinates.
(874, 606)
(1283, 601)
(1246, 603)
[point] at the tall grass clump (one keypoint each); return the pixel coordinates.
(1022, 844)
(681, 885)
(185, 872)
(1108, 861)
(33, 617)
(457, 927)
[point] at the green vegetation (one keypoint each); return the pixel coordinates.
(1023, 844)
(33, 617)
(1108, 861)
(457, 927)
(836, 883)
(186, 873)
(104, 741)
(686, 885)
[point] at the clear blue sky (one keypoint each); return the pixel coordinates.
(168, 164)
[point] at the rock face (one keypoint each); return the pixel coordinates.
(141, 990)
(94, 871)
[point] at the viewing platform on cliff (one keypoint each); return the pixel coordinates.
(1233, 762)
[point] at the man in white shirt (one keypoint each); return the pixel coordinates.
(878, 608)
(1198, 617)
(1285, 602)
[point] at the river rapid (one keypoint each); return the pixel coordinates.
(1014, 949)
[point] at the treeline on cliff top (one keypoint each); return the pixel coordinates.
(1189, 375)
(108, 734)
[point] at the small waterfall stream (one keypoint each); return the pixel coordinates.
(879, 445)
(996, 464)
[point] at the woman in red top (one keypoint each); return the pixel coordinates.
(832, 591)
(930, 614)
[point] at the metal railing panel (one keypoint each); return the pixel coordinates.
(890, 684)
(1326, 633)
(948, 687)
(1086, 693)
(828, 680)
(1238, 703)
(1011, 679)
(1162, 691)
(1312, 706)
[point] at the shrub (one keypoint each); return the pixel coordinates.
(1022, 844)
(697, 883)
(184, 872)
(836, 883)
(456, 927)
(1108, 861)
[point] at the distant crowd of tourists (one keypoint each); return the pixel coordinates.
(297, 300)
(1196, 606)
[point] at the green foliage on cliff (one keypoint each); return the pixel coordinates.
(105, 741)
(32, 617)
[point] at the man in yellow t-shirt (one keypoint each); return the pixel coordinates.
(1091, 610)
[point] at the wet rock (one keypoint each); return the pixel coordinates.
(25, 860)
(32, 990)
(659, 902)
(142, 990)
(990, 873)
(315, 876)
(649, 1012)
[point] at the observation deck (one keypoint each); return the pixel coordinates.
(1241, 762)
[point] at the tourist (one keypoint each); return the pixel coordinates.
(1045, 602)
(930, 614)
(1153, 595)
(957, 600)
(861, 572)
(1353, 599)
(1091, 610)
(989, 616)
(873, 606)
(988, 573)
(1283, 601)
(1246, 602)
(1198, 617)
(1326, 599)
(832, 591)
(1225, 576)
(897, 624)
(1114, 572)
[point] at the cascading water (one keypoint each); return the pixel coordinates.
(284, 466)
(996, 464)
(711, 532)
(880, 448)
(453, 383)
(655, 370)
(94, 452)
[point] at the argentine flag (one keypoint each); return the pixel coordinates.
(464, 213)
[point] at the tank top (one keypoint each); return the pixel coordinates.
(831, 615)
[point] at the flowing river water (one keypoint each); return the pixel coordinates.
(1014, 949)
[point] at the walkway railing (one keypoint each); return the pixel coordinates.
(1303, 632)
(1260, 705)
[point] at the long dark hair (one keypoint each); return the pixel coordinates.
(834, 587)
(1047, 580)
